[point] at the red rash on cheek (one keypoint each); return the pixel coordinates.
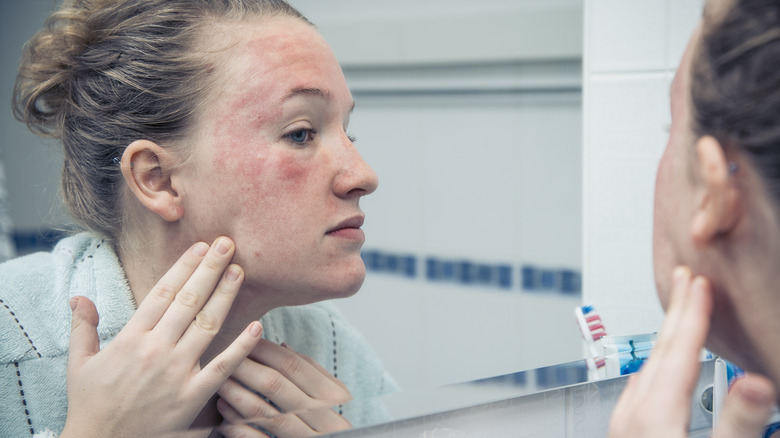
(293, 172)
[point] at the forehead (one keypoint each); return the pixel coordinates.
(279, 53)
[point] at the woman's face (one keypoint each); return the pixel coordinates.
(272, 165)
(674, 198)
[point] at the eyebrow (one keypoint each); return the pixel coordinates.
(317, 92)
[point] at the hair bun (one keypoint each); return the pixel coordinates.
(41, 91)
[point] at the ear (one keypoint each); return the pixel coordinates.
(146, 168)
(719, 205)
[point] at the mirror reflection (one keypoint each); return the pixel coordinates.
(471, 117)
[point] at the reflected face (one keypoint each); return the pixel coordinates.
(674, 184)
(272, 166)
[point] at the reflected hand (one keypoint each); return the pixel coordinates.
(148, 380)
(657, 400)
(300, 390)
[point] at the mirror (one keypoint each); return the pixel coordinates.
(470, 113)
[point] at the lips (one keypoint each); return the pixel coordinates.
(348, 229)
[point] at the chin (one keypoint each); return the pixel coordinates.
(352, 287)
(345, 285)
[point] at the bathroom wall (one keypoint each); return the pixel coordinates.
(631, 51)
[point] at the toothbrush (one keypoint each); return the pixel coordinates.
(592, 331)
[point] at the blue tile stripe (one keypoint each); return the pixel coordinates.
(404, 265)
(468, 273)
(535, 279)
(538, 279)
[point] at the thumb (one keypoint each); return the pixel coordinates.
(747, 408)
(84, 341)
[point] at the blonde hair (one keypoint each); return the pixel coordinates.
(103, 73)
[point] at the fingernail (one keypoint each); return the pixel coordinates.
(200, 249)
(255, 328)
(221, 404)
(222, 246)
(698, 284)
(233, 272)
(680, 276)
(73, 302)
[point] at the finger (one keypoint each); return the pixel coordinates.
(230, 430)
(237, 404)
(675, 358)
(683, 344)
(84, 341)
(324, 420)
(261, 414)
(214, 375)
(160, 297)
(235, 426)
(299, 380)
(681, 287)
(747, 408)
(211, 317)
(196, 291)
(244, 402)
(324, 372)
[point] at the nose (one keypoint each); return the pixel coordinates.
(355, 178)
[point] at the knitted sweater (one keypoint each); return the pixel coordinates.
(35, 332)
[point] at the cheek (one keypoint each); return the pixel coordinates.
(292, 172)
(662, 257)
(271, 182)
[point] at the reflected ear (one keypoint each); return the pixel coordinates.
(146, 168)
(719, 208)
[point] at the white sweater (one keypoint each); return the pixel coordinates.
(35, 331)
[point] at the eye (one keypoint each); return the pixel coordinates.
(351, 138)
(301, 136)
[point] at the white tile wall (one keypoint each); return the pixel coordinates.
(631, 51)
(626, 35)
(489, 178)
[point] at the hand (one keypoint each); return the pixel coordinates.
(657, 400)
(148, 380)
(302, 389)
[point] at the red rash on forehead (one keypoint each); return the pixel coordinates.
(253, 94)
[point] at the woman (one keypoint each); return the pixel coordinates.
(716, 212)
(186, 121)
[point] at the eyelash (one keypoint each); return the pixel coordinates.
(310, 133)
(310, 136)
